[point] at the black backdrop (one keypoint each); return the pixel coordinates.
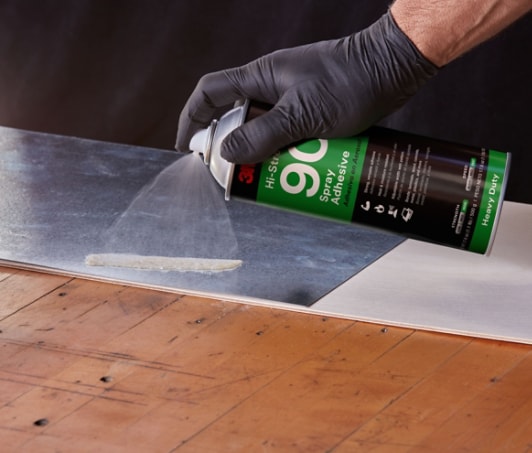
(121, 70)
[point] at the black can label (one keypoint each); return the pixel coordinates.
(420, 187)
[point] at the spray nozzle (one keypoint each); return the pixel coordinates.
(201, 142)
(208, 142)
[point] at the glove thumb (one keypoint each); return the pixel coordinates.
(258, 139)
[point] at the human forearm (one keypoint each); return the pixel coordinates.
(443, 30)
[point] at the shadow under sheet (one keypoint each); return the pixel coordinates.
(60, 197)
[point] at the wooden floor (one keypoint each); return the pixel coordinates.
(94, 367)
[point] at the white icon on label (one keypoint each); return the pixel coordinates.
(366, 206)
(407, 214)
(380, 209)
(392, 210)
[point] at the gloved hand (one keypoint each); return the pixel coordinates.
(328, 89)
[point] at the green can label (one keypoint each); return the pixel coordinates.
(489, 203)
(318, 176)
(416, 186)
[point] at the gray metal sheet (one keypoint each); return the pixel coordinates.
(59, 196)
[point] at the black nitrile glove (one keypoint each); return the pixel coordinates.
(327, 89)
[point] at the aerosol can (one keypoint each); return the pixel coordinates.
(419, 187)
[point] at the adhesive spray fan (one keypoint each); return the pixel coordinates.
(420, 187)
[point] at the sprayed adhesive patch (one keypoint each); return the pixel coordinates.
(164, 263)
(180, 213)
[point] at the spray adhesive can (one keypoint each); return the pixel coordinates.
(419, 187)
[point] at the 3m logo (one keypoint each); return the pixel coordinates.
(246, 174)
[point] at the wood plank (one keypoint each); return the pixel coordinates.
(21, 288)
(12, 440)
(212, 398)
(79, 316)
(39, 403)
(186, 374)
(85, 313)
(486, 423)
(514, 432)
(315, 405)
(436, 399)
(6, 272)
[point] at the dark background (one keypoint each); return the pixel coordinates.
(121, 71)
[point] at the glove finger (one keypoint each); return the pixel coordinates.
(213, 91)
(260, 138)
(219, 89)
